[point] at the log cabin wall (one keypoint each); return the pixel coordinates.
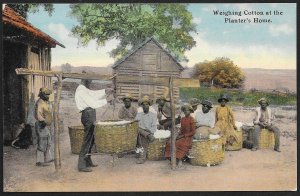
(24, 46)
(17, 90)
(149, 60)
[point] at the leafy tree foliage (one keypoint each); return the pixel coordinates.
(66, 68)
(24, 8)
(131, 24)
(220, 72)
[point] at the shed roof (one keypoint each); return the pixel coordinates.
(140, 46)
(9, 16)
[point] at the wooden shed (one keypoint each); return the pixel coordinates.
(150, 58)
(24, 46)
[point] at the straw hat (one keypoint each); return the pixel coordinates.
(162, 98)
(223, 96)
(207, 103)
(45, 91)
(187, 106)
(263, 100)
(194, 102)
(145, 99)
(128, 96)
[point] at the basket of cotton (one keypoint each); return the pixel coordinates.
(207, 152)
(236, 145)
(76, 134)
(156, 149)
(116, 136)
(267, 139)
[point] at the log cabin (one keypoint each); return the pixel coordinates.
(24, 46)
(149, 58)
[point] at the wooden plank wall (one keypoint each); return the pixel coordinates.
(39, 61)
(150, 60)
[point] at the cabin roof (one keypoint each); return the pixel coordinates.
(9, 16)
(143, 44)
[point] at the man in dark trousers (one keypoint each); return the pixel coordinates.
(87, 101)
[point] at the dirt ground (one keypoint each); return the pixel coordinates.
(244, 170)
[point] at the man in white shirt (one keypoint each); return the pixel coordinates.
(147, 127)
(87, 101)
(205, 122)
(263, 121)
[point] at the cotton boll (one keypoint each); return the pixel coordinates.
(162, 134)
(122, 122)
(214, 136)
(239, 124)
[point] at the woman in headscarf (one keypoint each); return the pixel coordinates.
(185, 137)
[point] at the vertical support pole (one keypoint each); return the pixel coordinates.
(57, 160)
(173, 134)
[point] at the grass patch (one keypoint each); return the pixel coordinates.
(237, 97)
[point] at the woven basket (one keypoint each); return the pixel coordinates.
(116, 138)
(236, 145)
(76, 134)
(156, 149)
(207, 152)
(267, 139)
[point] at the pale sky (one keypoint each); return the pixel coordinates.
(249, 45)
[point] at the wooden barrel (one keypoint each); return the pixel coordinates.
(207, 152)
(76, 134)
(115, 137)
(156, 149)
(236, 145)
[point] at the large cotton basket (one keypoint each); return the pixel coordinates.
(267, 139)
(207, 152)
(76, 134)
(156, 149)
(236, 145)
(115, 137)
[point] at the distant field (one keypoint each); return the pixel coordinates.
(260, 79)
(270, 79)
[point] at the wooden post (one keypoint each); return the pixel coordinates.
(57, 160)
(173, 134)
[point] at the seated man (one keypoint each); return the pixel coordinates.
(205, 121)
(263, 121)
(164, 111)
(127, 112)
(147, 127)
(194, 102)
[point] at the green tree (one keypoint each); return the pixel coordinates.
(66, 68)
(131, 24)
(221, 72)
(24, 8)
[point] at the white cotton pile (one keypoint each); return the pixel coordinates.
(214, 136)
(239, 125)
(121, 122)
(162, 134)
(249, 124)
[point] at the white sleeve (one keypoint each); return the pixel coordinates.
(91, 101)
(98, 94)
